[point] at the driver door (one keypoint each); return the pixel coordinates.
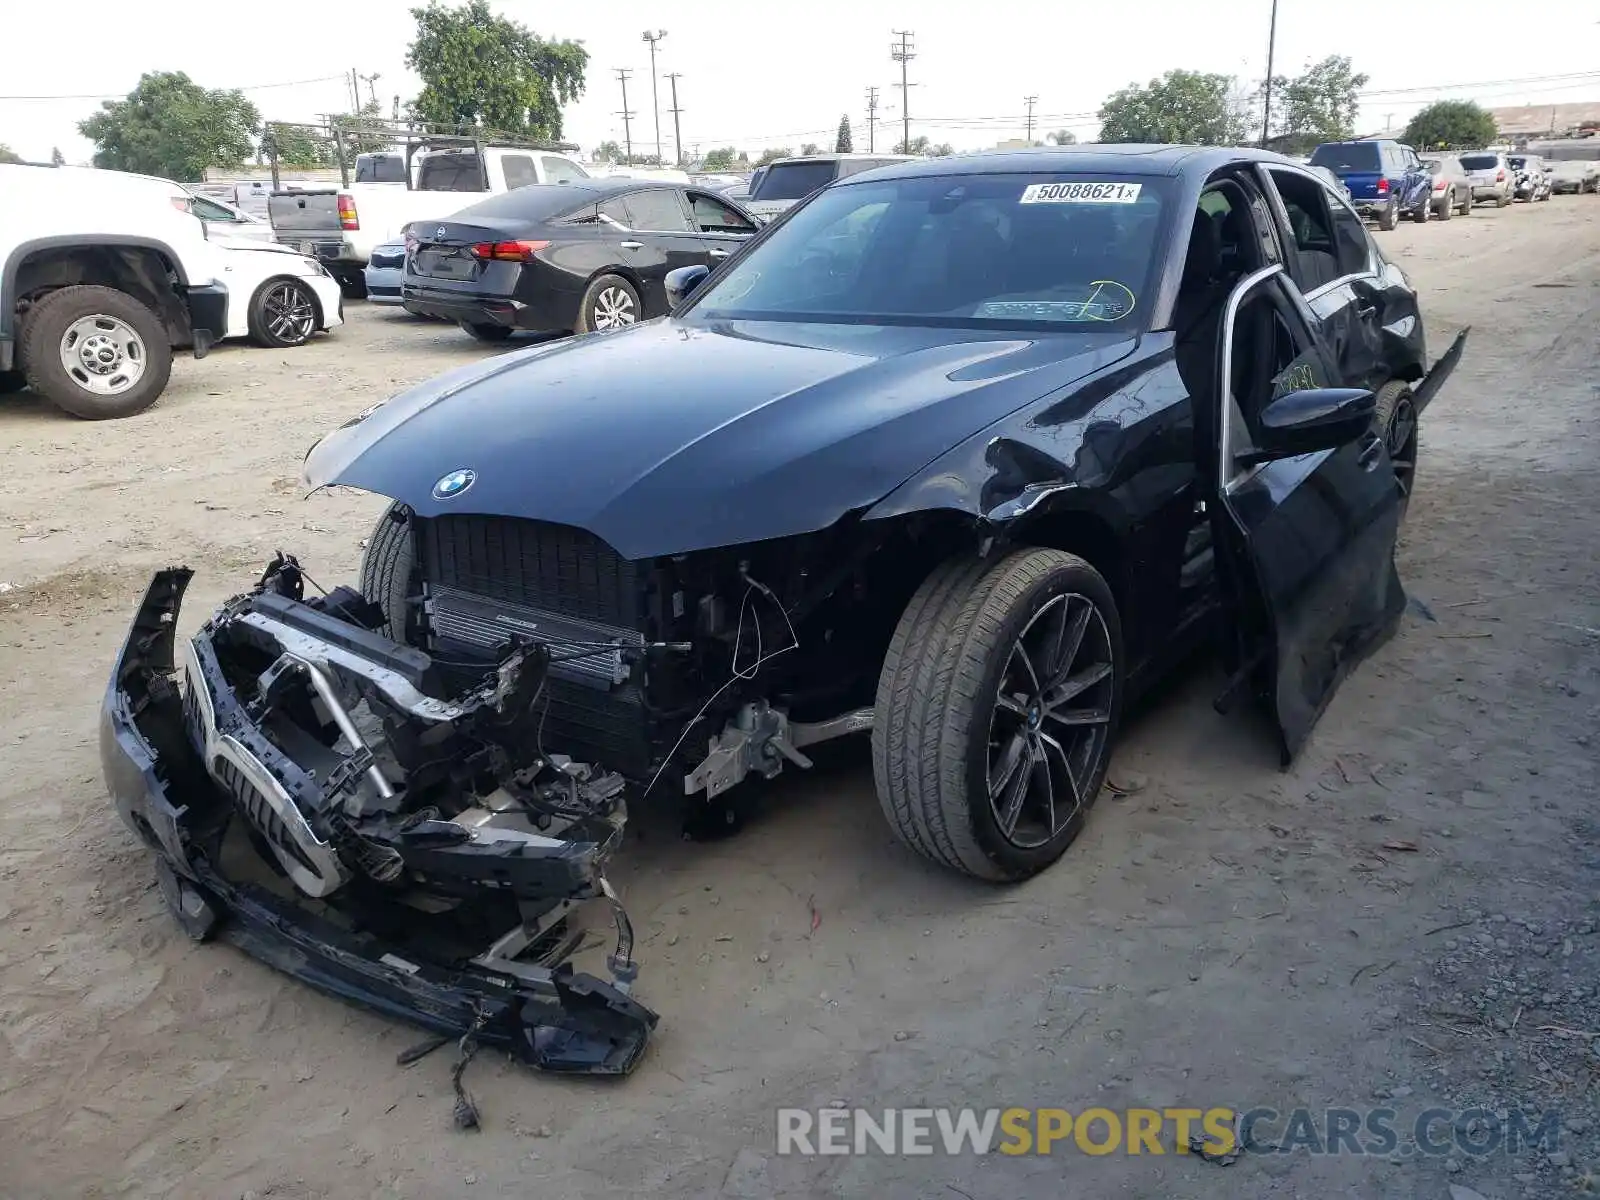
(1306, 543)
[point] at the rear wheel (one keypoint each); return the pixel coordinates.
(609, 302)
(95, 352)
(1466, 203)
(995, 711)
(1447, 209)
(387, 566)
(1503, 199)
(1424, 212)
(1395, 421)
(1389, 218)
(486, 331)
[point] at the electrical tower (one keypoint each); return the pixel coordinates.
(1030, 101)
(901, 53)
(872, 118)
(655, 101)
(625, 114)
(677, 133)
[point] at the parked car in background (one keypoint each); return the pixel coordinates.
(1532, 180)
(1491, 175)
(277, 297)
(1386, 180)
(103, 274)
(1452, 186)
(340, 226)
(580, 256)
(224, 219)
(1574, 175)
(787, 181)
(385, 271)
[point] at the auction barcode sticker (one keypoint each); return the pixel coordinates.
(1080, 193)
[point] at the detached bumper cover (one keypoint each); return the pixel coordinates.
(208, 316)
(557, 1020)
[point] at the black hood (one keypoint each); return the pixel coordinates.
(671, 437)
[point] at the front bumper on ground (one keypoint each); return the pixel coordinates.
(181, 765)
(208, 316)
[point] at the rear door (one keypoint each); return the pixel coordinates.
(1416, 184)
(659, 239)
(1306, 543)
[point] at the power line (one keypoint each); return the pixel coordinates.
(1030, 101)
(253, 87)
(872, 119)
(901, 53)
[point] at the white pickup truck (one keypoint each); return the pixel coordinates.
(341, 226)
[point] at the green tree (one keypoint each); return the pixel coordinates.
(57, 159)
(8, 155)
(1318, 105)
(1188, 107)
(917, 145)
(810, 148)
(774, 155)
(843, 143)
(1451, 125)
(297, 146)
(374, 142)
(720, 159)
(608, 151)
(1063, 137)
(171, 126)
(481, 69)
(941, 150)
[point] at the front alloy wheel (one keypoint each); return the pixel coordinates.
(1052, 714)
(284, 313)
(996, 710)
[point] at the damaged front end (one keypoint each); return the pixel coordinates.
(383, 825)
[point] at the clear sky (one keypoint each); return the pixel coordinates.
(779, 74)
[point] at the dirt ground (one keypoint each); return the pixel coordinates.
(1406, 917)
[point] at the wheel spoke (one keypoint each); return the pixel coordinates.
(1041, 766)
(1021, 651)
(1010, 761)
(1078, 717)
(1017, 790)
(1011, 704)
(1050, 743)
(1071, 642)
(1075, 685)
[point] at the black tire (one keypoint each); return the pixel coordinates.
(1504, 201)
(387, 567)
(283, 313)
(1395, 421)
(486, 331)
(939, 707)
(1466, 204)
(1447, 209)
(1389, 217)
(608, 294)
(47, 325)
(1423, 212)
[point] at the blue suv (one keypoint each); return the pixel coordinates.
(1385, 178)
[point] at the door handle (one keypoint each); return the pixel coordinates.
(1368, 458)
(631, 245)
(1365, 310)
(719, 253)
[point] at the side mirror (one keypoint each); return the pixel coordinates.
(683, 281)
(1313, 419)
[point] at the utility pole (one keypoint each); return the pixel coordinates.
(901, 53)
(1030, 101)
(1266, 103)
(655, 103)
(355, 90)
(872, 118)
(677, 133)
(627, 129)
(372, 91)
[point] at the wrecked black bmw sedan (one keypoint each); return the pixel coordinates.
(962, 453)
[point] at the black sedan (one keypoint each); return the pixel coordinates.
(959, 453)
(583, 255)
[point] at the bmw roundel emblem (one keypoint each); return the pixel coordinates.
(453, 484)
(440, 232)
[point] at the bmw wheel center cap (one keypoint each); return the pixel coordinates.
(453, 484)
